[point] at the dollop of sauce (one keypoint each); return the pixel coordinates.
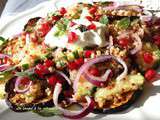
(86, 38)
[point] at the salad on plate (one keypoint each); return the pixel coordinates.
(95, 56)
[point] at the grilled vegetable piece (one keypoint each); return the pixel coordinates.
(123, 105)
(116, 96)
(30, 24)
(21, 102)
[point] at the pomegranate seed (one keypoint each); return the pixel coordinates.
(53, 80)
(156, 39)
(72, 24)
(72, 66)
(88, 53)
(123, 42)
(150, 74)
(92, 10)
(5, 60)
(97, 17)
(25, 81)
(147, 57)
(89, 18)
(91, 27)
(39, 73)
(41, 70)
(72, 37)
(94, 71)
(79, 61)
(62, 11)
(55, 18)
(48, 63)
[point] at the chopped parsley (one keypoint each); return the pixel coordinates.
(25, 66)
(27, 73)
(61, 27)
(104, 20)
(124, 23)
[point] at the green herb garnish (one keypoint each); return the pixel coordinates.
(2, 40)
(124, 23)
(25, 73)
(61, 27)
(36, 61)
(104, 20)
(76, 55)
(25, 66)
(5, 76)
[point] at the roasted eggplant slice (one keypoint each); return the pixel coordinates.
(131, 98)
(116, 96)
(36, 98)
(30, 24)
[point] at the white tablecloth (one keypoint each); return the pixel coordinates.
(15, 6)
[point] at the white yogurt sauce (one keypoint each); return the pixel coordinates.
(87, 38)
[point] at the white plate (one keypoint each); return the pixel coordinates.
(146, 108)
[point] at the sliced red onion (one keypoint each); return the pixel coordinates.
(4, 67)
(147, 16)
(138, 45)
(68, 113)
(91, 62)
(4, 56)
(110, 42)
(64, 76)
(130, 7)
(18, 82)
(112, 7)
(27, 39)
(98, 81)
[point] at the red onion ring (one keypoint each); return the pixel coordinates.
(112, 7)
(17, 83)
(147, 17)
(138, 46)
(130, 7)
(91, 62)
(98, 81)
(4, 67)
(68, 113)
(4, 56)
(110, 42)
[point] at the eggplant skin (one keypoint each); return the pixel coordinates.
(123, 107)
(31, 23)
(9, 89)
